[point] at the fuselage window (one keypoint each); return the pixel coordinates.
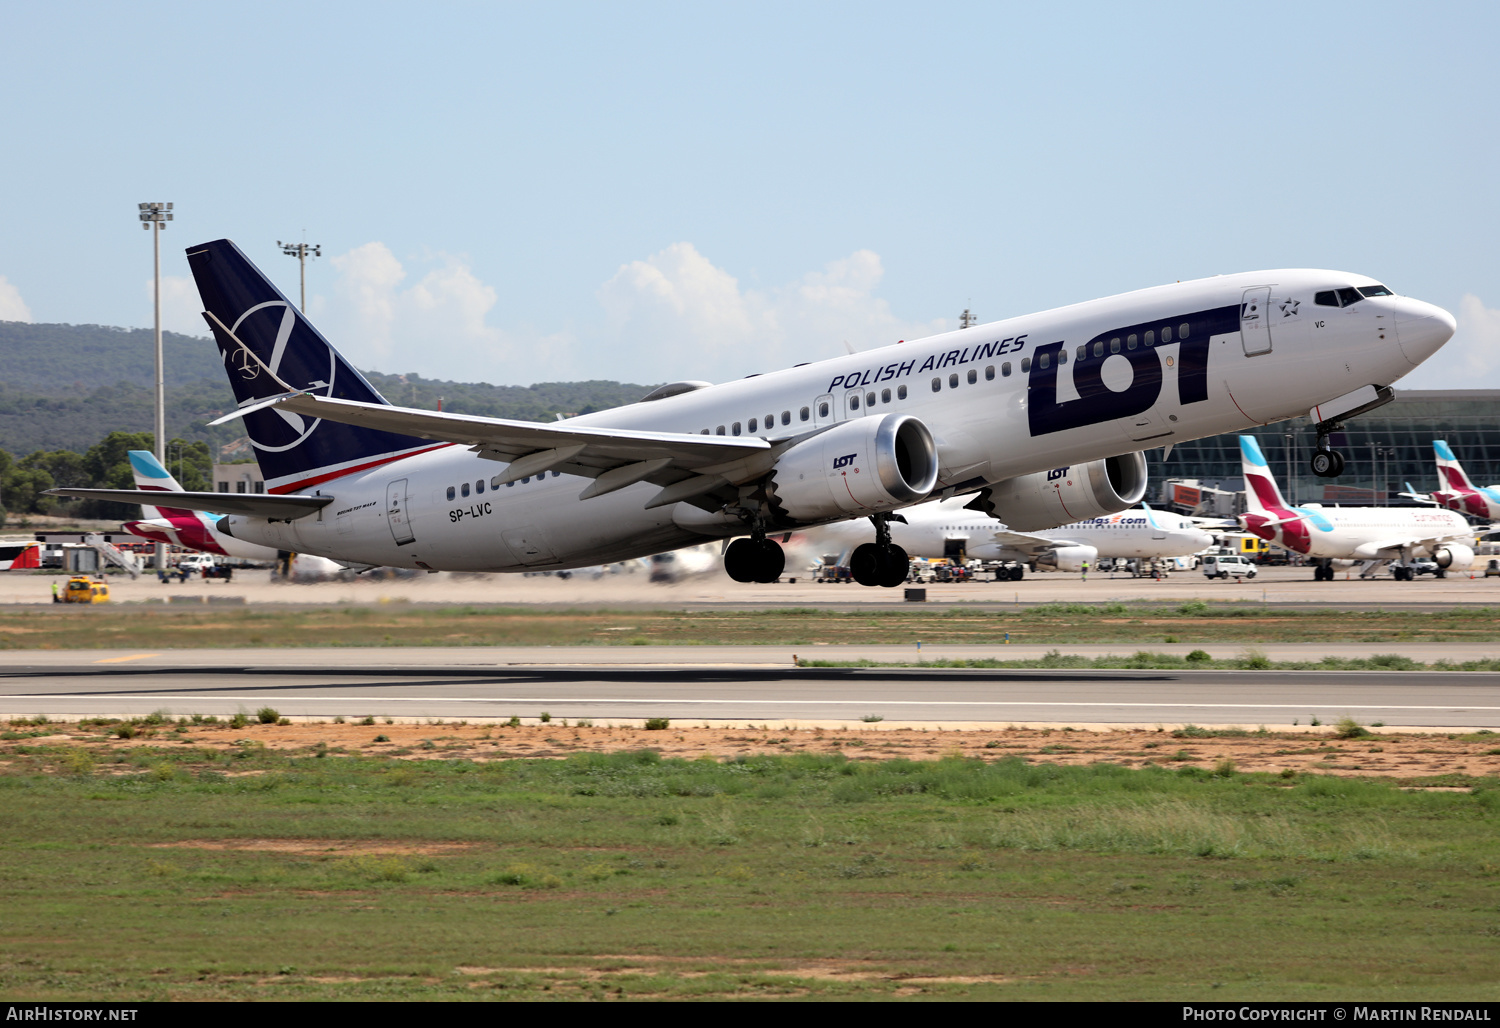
(901, 392)
(704, 432)
(1045, 360)
(786, 416)
(1327, 298)
(508, 484)
(823, 409)
(953, 381)
(1005, 369)
(735, 428)
(526, 480)
(495, 482)
(719, 430)
(989, 373)
(1375, 291)
(465, 489)
(1349, 296)
(804, 414)
(1062, 356)
(557, 474)
(1150, 337)
(854, 402)
(1166, 334)
(753, 424)
(1182, 330)
(770, 420)
(1083, 351)
(885, 396)
(1130, 341)
(973, 376)
(1114, 345)
(869, 399)
(937, 385)
(1098, 347)
(1025, 365)
(450, 492)
(479, 486)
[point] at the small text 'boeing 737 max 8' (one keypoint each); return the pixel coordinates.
(1045, 416)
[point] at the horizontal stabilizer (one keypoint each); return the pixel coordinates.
(252, 505)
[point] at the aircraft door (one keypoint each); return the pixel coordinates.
(398, 512)
(1255, 321)
(823, 412)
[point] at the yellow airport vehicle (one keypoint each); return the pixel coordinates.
(83, 589)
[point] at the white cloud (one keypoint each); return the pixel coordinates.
(12, 307)
(679, 316)
(436, 327)
(1471, 359)
(181, 309)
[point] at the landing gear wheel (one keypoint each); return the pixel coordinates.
(771, 562)
(741, 560)
(1015, 574)
(894, 566)
(865, 564)
(1327, 464)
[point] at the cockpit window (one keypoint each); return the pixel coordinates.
(1327, 298)
(1375, 291)
(1349, 296)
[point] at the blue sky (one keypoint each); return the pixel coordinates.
(518, 193)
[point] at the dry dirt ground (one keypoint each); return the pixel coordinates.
(1384, 753)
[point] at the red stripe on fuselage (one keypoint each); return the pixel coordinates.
(355, 469)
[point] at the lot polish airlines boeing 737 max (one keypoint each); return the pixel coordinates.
(1044, 415)
(1350, 533)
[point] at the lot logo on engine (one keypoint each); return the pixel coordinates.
(844, 461)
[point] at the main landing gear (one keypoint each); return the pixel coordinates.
(881, 562)
(1327, 463)
(756, 559)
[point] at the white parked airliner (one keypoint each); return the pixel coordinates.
(940, 529)
(1045, 415)
(1350, 533)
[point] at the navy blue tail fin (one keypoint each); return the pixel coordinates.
(246, 312)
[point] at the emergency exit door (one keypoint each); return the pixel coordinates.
(398, 513)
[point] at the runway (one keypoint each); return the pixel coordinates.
(64, 686)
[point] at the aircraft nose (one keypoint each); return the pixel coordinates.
(1422, 328)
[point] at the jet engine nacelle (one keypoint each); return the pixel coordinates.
(863, 466)
(1453, 555)
(1047, 499)
(1068, 558)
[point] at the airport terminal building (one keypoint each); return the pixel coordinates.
(1384, 450)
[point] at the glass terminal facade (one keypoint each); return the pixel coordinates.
(1383, 450)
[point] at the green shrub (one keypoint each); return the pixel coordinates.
(657, 724)
(267, 715)
(240, 720)
(1348, 728)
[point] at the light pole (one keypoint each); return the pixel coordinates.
(302, 252)
(154, 216)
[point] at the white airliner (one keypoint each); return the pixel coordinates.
(1350, 533)
(191, 529)
(940, 529)
(1045, 415)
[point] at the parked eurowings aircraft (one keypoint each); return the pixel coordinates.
(1456, 492)
(191, 529)
(1045, 415)
(939, 529)
(1350, 533)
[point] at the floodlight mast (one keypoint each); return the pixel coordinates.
(155, 216)
(302, 252)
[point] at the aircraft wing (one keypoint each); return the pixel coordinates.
(613, 457)
(1027, 543)
(255, 505)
